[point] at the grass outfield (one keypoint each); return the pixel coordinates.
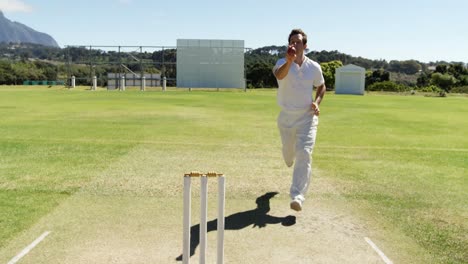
(400, 161)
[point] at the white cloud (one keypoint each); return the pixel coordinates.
(14, 6)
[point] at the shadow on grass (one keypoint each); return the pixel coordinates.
(257, 217)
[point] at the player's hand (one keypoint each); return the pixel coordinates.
(316, 109)
(291, 53)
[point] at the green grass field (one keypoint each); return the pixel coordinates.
(400, 162)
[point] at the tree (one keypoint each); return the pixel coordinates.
(260, 75)
(377, 76)
(328, 70)
(462, 80)
(444, 81)
(26, 71)
(423, 80)
(408, 66)
(441, 68)
(6, 76)
(457, 70)
(50, 73)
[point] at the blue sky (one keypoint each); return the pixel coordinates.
(401, 30)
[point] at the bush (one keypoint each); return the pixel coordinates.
(429, 89)
(387, 86)
(460, 89)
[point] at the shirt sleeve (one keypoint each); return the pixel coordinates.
(318, 78)
(278, 64)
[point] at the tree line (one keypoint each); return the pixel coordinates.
(380, 75)
(22, 62)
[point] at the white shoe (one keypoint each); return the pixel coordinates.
(296, 205)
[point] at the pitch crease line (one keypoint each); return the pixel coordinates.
(26, 250)
(381, 254)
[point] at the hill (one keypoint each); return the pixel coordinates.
(14, 32)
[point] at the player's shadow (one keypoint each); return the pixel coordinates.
(257, 217)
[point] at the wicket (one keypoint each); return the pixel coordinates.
(203, 215)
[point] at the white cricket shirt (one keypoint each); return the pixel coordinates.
(295, 90)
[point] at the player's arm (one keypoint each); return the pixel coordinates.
(318, 98)
(283, 70)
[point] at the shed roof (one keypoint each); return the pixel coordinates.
(351, 68)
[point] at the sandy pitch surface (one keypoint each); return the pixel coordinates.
(93, 229)
(133, 213)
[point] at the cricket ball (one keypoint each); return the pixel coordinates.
(291, 51)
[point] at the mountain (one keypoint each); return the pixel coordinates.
(18, 33)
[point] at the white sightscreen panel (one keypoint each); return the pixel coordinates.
(204, 63)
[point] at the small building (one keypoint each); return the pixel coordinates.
(350, 79)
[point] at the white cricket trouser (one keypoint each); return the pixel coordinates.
(298, 130)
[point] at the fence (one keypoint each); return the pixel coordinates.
(42, 82)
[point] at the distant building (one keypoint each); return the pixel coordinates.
(350, 79)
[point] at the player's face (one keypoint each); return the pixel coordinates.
(296, 41)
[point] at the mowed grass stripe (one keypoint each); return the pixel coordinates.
(159, 142)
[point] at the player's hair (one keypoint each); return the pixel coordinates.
(298, 31)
